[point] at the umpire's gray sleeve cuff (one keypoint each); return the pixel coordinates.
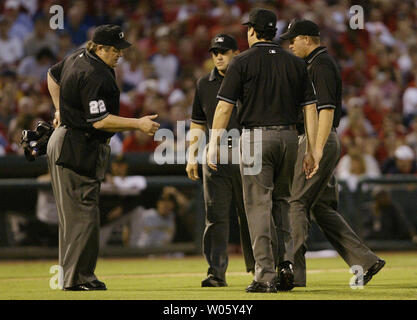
(326, 106)
(226, 99)
(99, 118)
(198, 121)
(308, 102)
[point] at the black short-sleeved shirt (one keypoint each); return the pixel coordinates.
(271, 83)
(88, 91)
(327, 81)
(205, 101)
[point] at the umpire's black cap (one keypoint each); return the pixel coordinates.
(300, 28)
(262, 20)
(110, 35)
(223, 42)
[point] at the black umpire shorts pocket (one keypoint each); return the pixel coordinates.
(79, 153)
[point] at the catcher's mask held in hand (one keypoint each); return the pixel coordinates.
(34, 142)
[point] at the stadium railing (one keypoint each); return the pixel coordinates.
(18, 192)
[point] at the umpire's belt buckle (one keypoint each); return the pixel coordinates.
(230, 142)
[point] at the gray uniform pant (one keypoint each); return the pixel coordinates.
(266, 196)
(222, 193)
(318, 197)
(77, 200)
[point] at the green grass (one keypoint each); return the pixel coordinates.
(179, 279)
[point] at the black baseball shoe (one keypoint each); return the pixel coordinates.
(376, 267)
(285, 280)
(89, 286)
(212, 281)
(265, 287)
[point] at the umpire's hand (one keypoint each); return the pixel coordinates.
(213, 157)
(146, 125)
(57, 119)
(310, 164)
(192, 171)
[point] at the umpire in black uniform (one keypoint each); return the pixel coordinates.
(272, 86)
(86, 97)
(317, 197)
(222, 188)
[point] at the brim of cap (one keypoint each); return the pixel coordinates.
(288, 35)
(123, 45)
(258, 28)
(221, 48)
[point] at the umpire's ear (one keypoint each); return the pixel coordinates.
(251, 30)
(236, 52)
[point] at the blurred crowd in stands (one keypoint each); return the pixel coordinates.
(170, 52)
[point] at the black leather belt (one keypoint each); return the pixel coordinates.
(287, 127)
